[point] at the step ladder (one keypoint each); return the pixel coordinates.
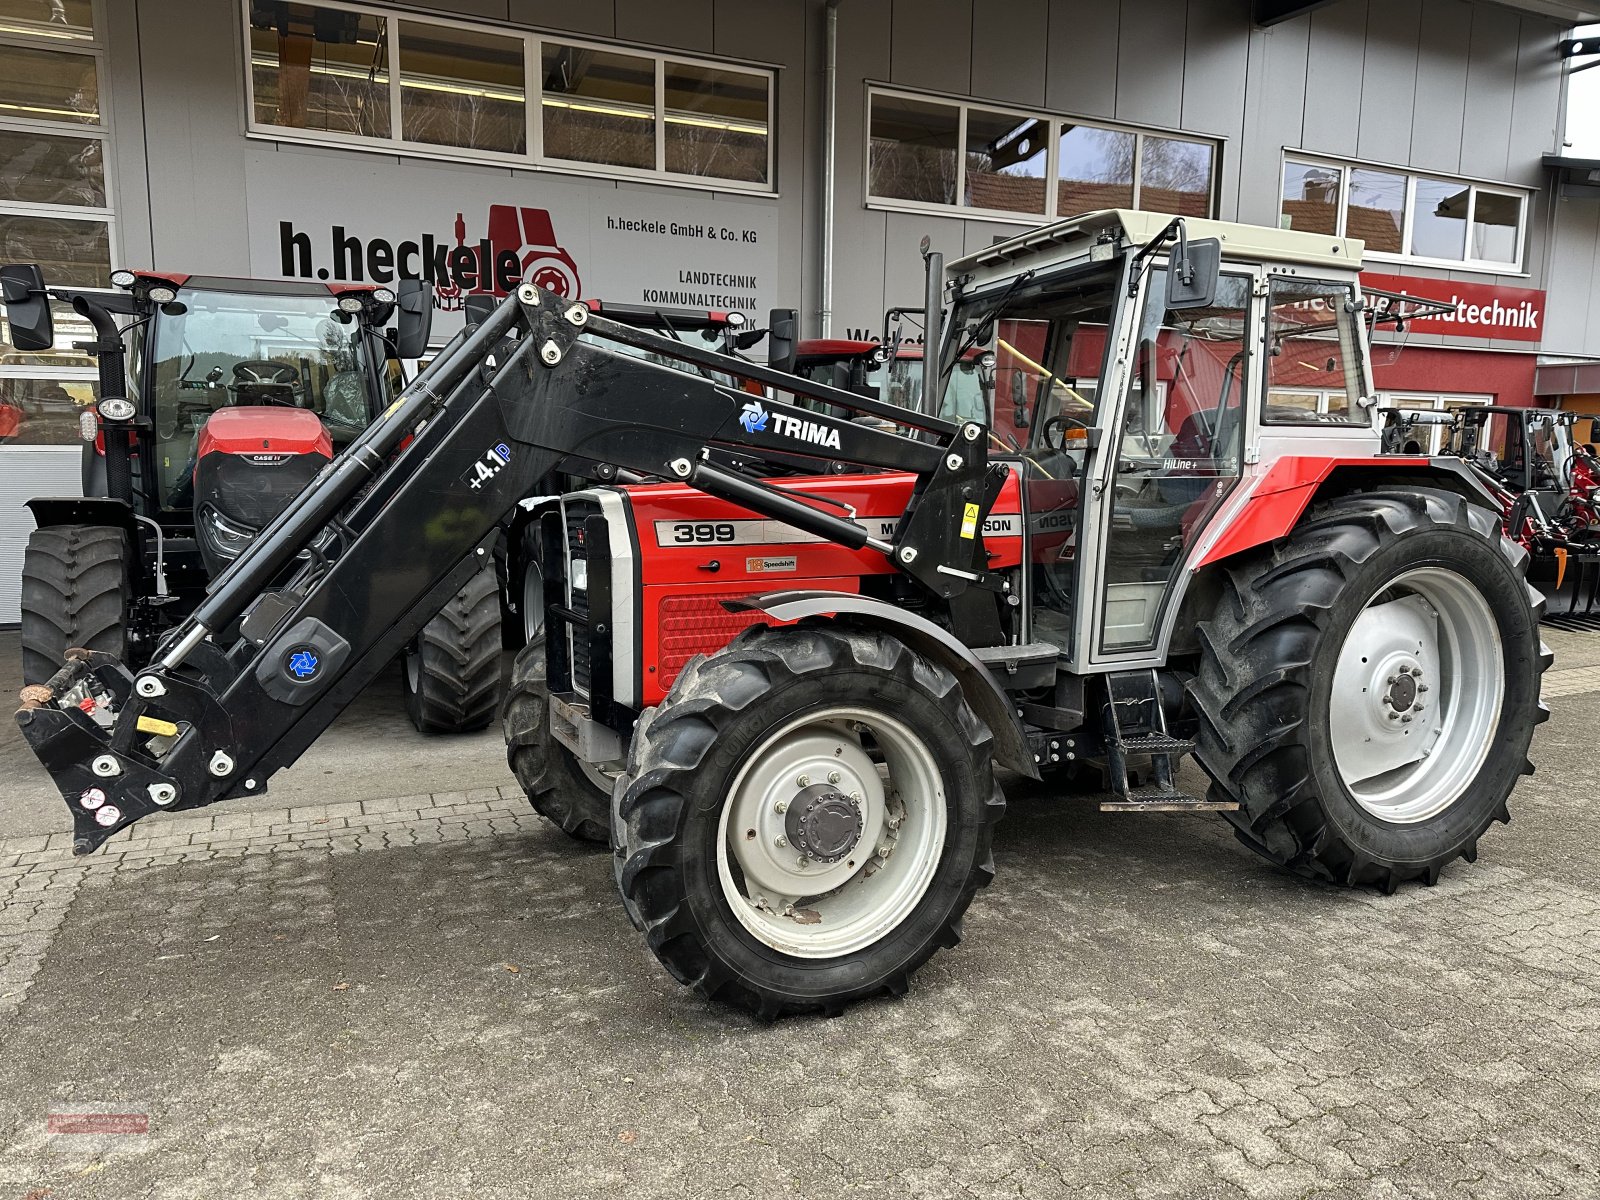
(1135, 728)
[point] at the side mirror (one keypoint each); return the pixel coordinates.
(1594, 431)
(782, 325)
(1019, 400)
(27, 307)
(414, 301)
(986, 363)
(1193, 275)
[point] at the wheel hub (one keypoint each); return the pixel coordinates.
(1402, 693)
(823, 823)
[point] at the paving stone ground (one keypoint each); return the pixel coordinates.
(438, 995)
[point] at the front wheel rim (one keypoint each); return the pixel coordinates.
(831, 764)
(1417, 695)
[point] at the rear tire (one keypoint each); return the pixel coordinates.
(1302, 687)
(710, 841)
(577, 798)
(451, 675)
(75, 592)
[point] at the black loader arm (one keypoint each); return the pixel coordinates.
(330, 592)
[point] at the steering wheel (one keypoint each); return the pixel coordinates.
(264, 370)
(1060, 422)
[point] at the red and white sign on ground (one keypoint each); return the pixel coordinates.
(1482, 310)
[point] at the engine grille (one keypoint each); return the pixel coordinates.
(577, 512)
(693, 625)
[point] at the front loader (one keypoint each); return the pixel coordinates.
(801, 689)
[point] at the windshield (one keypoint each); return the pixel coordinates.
(214, 349)
(965, 398)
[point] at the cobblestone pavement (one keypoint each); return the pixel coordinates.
(438, 995)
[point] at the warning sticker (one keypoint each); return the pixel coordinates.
(969, 522)
(769, 566)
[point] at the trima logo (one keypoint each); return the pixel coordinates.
(753, 417)
(521, 248)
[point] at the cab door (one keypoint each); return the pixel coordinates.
(1171, 452)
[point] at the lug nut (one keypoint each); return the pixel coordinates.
(1394, 716)
(1422, 687)
(780, 841)
(804, 781)
(1406, 720)
(834, 777)
(782, 806)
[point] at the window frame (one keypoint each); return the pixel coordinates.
(534, 158)
(1056, 122)
(1412, 176)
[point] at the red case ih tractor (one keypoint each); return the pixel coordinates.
(800, 688)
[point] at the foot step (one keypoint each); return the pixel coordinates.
(1155, 799)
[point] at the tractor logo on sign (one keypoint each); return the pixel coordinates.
(521, 248)
(753, 417)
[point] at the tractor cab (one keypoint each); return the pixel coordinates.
(1148, 383)
(1524, 449)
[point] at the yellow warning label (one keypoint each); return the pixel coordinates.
(153, 725)
(969, 522)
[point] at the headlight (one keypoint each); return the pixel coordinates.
(383, 296)
(229, 538)
(162, 294)
(123, 279)
(735, 320)
(350, 304)
(117, 408)
(580, 574)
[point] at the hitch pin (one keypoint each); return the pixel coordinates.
(175, 656)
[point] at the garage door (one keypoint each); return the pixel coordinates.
(26, 472)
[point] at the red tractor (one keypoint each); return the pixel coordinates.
(789, 696)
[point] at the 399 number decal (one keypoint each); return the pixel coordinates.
(689, 534)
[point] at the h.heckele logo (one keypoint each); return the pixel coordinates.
(755, 417)
(521, 248)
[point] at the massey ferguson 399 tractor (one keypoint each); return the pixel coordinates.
(804, 687)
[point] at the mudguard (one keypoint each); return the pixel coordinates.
(49, 511)
(987, 698)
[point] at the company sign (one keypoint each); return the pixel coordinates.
(348, 220)
(1482, 310)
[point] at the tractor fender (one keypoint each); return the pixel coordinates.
(49, 511)
(993, 706)
(1277, 499)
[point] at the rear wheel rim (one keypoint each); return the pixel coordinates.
(843, 759)
(1417, 695)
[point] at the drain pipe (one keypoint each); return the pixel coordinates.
(830, 122)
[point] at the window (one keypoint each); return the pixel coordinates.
(943, 153)
(55, 204)
(339, 73)
(1420, 218)
(1315, 371)
(1432, 437)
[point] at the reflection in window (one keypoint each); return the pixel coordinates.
(47, 85)
(1314, 369)
(716, 122)
(1007, 159)
(1494, 227)
(462, 88)
(43, 168)
(1096, 170)
(913, 150)
(71, 252)
(318, 68)
(599, 107)
(63, 20)
(42, 411)
(1439, 223)
(1311, 197)
(1175, 177)
(1378, 210)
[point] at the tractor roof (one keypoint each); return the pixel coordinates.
(1076, 237)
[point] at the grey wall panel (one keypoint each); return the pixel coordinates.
(1081, 70)
(1150, 48)
(903, 278)
(931, 45)
(1009, 40)
(1217, 66)
(128, 168)
(1389, 82)
(1536, 112)
(1491, 90)
(1274, 117)
(858, 272)
(858, 234)
(598, 18)
(195, 149)
(1335, 66)
(1574, 309)
(685, 24)
(1441, 95)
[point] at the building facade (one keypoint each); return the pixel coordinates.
(743, 154)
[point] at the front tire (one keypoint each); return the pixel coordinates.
(805, 818)
(75, 592)
(1370, 686)
(574, 795)
(451, 671)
